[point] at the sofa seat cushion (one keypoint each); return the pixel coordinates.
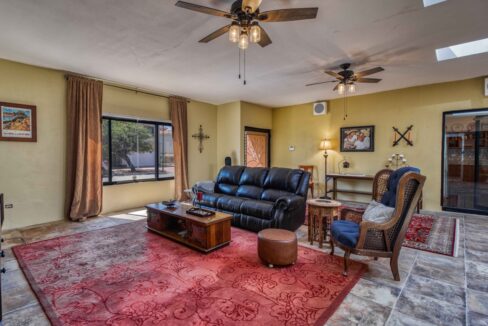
(252, 192)
(210, 199)
(346, 232)
(258, 208)
(273, 194)
(230, 203)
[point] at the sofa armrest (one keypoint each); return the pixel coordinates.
(289, 203)
(204, 186)
(289, 212)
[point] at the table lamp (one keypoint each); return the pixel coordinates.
(324, 146)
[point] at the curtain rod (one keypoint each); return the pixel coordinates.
(127, 88)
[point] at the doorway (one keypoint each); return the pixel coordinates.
(465, 161)
(257, 147)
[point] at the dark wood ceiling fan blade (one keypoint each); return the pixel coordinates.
(369, 72)
(334, 74)
(286, 15)
(203, 9)
(214, 35)
(336, 87)
(319, 83)
(265, 39)
(368, 80)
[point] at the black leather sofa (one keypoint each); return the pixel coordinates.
(260, 198)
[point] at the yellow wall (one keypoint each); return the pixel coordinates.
(228, 126)
(421, 106)
(256, 116)
(32, 175)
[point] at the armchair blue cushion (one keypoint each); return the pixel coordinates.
(389, 197)
(346, 232)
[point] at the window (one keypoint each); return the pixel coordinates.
(462, 50)
(136, 150)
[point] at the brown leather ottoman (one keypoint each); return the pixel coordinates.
(277, 247)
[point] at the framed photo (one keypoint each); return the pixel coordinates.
(357, 139)
(18, 122)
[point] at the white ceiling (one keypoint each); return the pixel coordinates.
(154, 45)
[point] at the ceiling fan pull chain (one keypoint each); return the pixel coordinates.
(245, 82)
(239, 63)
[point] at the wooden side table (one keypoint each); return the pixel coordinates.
(321, 213)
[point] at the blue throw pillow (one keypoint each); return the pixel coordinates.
(389, 197)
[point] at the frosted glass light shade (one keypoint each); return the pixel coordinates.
(341, 88)
(243, 41)
(255, 33)
(234, 32)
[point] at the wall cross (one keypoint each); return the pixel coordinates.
(201, 136)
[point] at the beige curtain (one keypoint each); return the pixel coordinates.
(84, 167)
(177, 109)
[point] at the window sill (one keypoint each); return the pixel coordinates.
(137, 181)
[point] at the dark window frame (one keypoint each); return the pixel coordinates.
(156, 125)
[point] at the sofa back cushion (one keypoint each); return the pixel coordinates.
(228, 180)
(253, 177)
(251, 183)
(283, 179)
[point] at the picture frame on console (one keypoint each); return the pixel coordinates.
(357, 139)
(18, 122)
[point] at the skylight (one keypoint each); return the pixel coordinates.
(462, 50)
(428, 3)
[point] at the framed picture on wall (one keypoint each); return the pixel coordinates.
(18, 122)
(357, 139)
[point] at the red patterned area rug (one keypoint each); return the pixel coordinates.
(437, 234)
(125, 275)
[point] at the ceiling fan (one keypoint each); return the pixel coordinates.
(246, 16)
(347, 78)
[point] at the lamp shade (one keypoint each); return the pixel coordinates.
(325, 145)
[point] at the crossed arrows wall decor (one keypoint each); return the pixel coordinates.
(405, 136)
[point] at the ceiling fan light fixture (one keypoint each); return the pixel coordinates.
(243, 41)
(255, 33)
(341, 88)
(251, 5)
(351, 88)
(234, 33)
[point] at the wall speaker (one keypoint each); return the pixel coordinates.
(486, 86)
(320, 108)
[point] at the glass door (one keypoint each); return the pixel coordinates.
(465, 161)
(481, 164)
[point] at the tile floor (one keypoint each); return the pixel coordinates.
(434, 290)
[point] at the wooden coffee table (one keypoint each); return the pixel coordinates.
(202, 233)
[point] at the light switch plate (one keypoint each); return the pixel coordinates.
(291, 148)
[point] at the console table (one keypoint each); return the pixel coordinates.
(353, 177)
(357, 177)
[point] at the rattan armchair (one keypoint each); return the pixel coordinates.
(384, 239)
